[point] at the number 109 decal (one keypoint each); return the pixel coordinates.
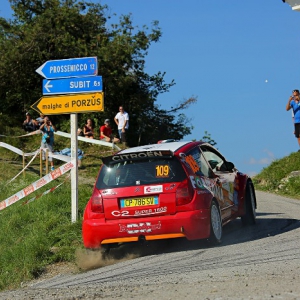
(162, 171)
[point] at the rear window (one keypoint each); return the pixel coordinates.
(139, 172)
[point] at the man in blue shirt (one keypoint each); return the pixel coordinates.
(294, 103)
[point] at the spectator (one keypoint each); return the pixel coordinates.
(80, 132)
(294, 103)
(48, 130)
(295, 97)
(88, 129)
(29, 124)
(122, 121)
(106, 133)
(40, 120)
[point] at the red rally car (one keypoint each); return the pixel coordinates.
(166, 190)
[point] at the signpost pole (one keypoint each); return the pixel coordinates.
(74, 171)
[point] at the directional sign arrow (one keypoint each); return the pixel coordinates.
(72, 67)
(48, 86)
(67, 104)
(72, 85)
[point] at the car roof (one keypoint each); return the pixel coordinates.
(172, 146)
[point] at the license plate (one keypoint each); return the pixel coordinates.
(135, 202)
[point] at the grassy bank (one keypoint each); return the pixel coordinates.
(281, 177)
(40, 233)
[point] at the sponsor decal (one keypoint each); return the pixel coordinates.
(171, 187)
(192, 163)
(142, 212)
(228, 190)
(210, 185)
(199, 192)
(109, 192)
(153, 189)
(197, 182)
(144, 227)
(136, 155)
(236, 198)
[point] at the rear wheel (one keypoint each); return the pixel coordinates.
(249, 218)
(216, 229)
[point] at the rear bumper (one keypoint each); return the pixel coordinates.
(192, 225)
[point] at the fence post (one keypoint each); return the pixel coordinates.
(47, 164)
(23, 165)
(41, 163)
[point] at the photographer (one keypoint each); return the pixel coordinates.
(48, 130)
(294, 103)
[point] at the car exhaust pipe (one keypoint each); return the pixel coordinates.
(142, 239)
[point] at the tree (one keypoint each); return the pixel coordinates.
(207, 138)
(43, 30)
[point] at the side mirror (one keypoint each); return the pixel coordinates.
(227, 166)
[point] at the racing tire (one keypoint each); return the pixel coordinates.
(216, 229)
(249, 218)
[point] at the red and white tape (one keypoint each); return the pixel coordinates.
(38, 184)
(46, 192)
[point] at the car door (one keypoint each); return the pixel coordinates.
(225, 178)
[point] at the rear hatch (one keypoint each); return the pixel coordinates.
(138, 186)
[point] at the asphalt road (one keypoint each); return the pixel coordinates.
(257, 262)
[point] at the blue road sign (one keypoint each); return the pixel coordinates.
(72, 67)
(72, 85)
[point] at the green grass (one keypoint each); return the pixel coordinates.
(40, 233)
(277, 177)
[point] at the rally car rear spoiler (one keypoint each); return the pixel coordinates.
(121, 157)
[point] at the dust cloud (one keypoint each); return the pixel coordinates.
(87, 259)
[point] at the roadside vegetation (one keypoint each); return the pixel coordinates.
(281, 177)
(40, 233)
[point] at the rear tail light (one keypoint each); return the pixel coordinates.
(97, 204)
(184, 193)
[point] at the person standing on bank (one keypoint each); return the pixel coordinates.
(122, 121)
(48, 130)
(294, 103)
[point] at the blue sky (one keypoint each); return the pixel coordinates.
(240, 58)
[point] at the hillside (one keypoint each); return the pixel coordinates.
(281, 177)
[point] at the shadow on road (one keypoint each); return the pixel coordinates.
(233, 233)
